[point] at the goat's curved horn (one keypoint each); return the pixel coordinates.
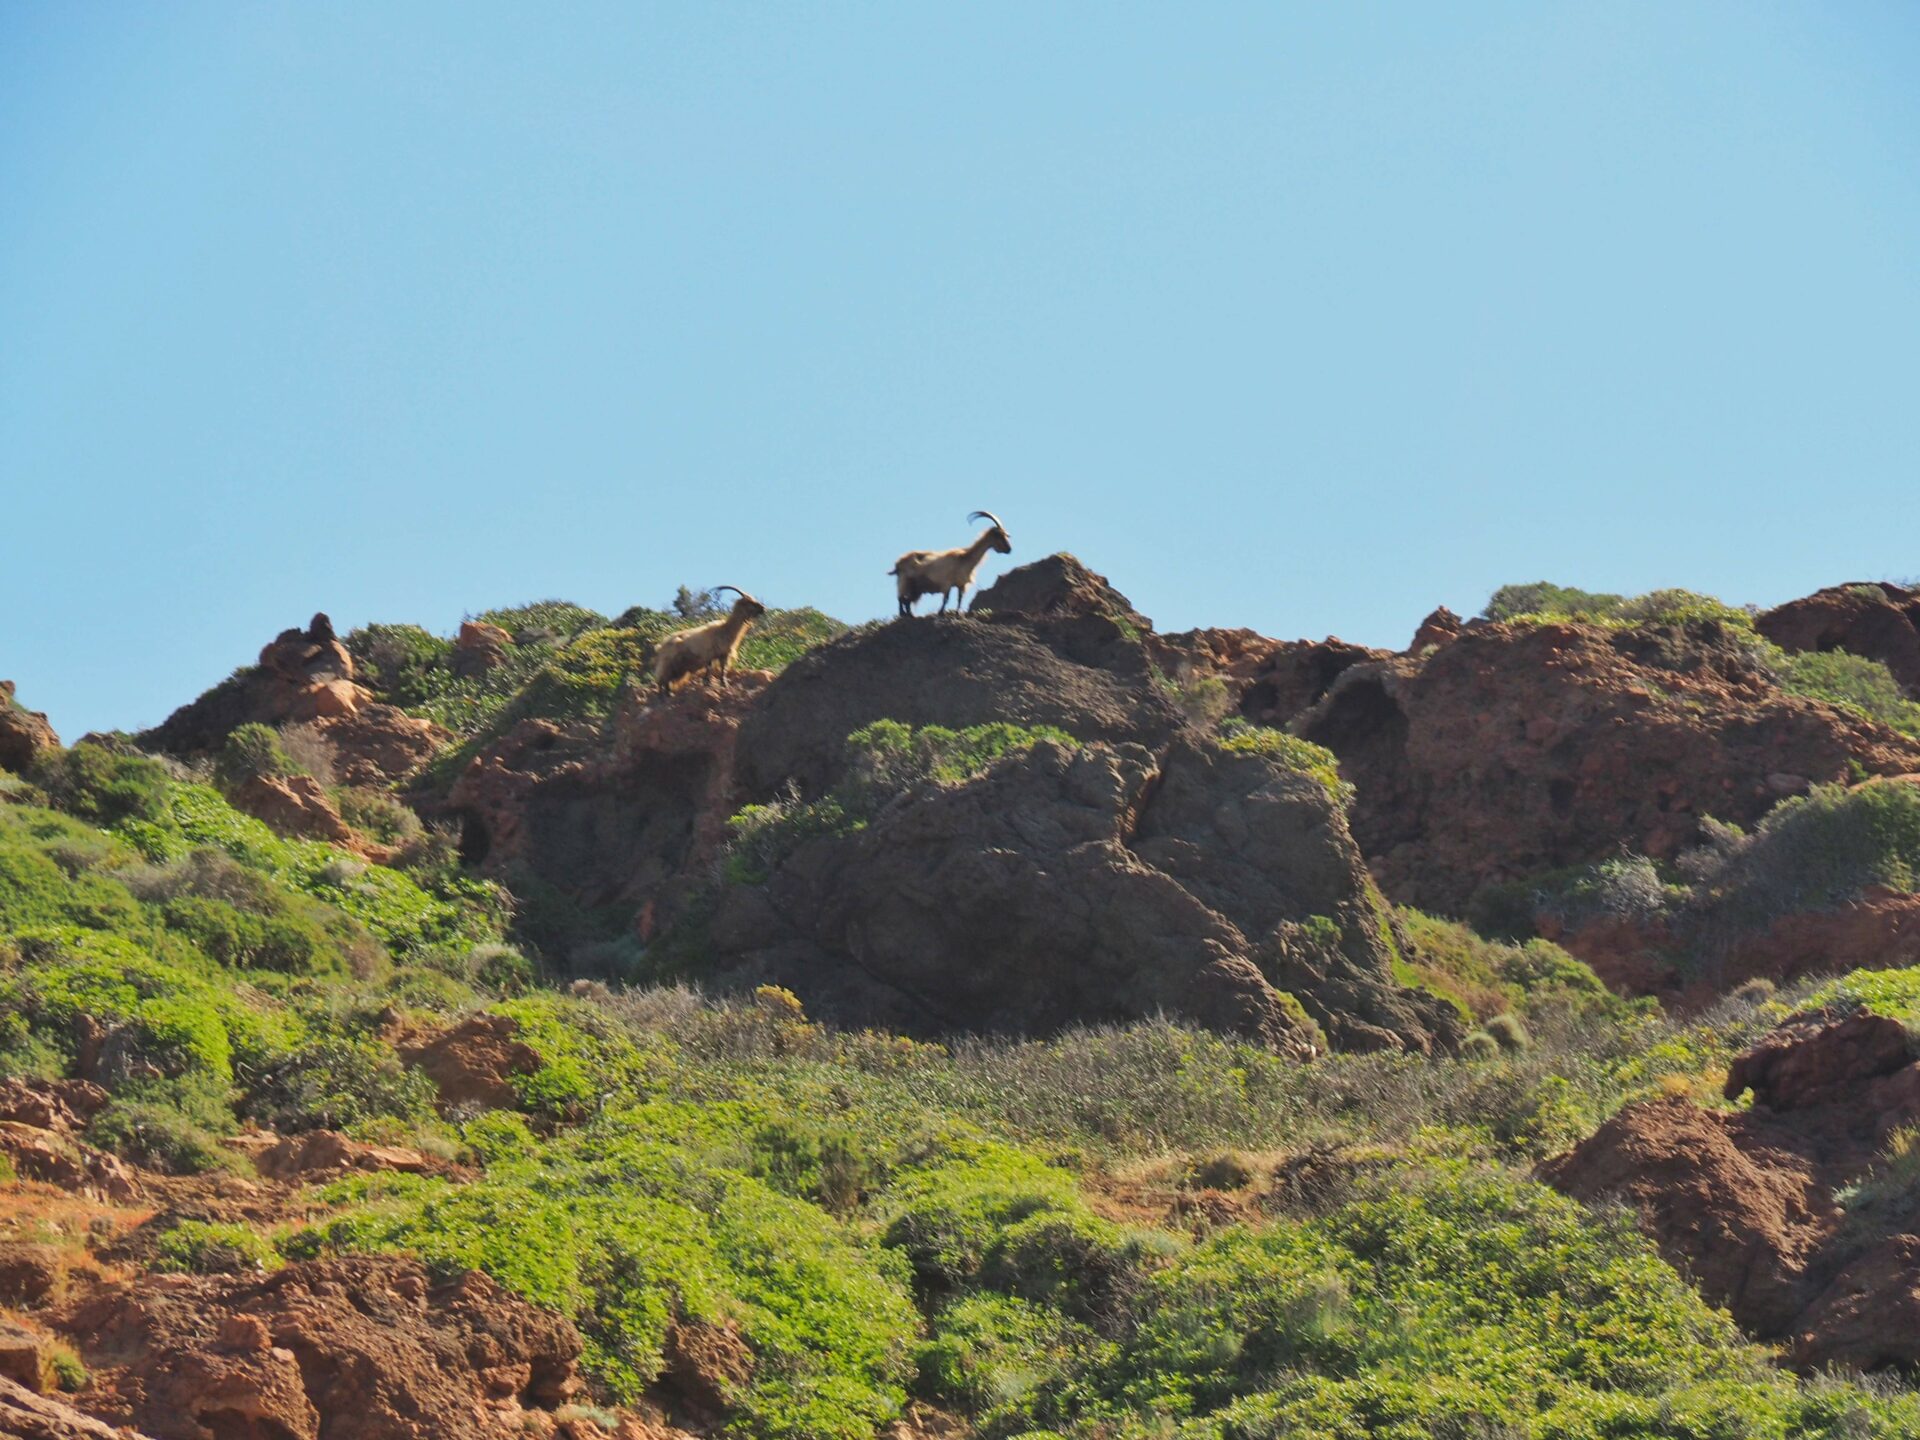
(987, 515)
(736, 590)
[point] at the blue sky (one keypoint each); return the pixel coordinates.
(1300, 317)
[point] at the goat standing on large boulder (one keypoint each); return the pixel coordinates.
(942, 572)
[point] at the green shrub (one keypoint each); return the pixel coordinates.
(1008, 1363)
(336, 1082)
(398, 661)
(108, 789)
(1301, 756)
(1542, 601)
(377, 815)
(202, 1248)
(1817, 851)
(813, 1162)
(1508, 1031)
(160, 1136)
(949, 1215)
(1865, 687)
(1510, 602)
(252, 752)
(586, 1056)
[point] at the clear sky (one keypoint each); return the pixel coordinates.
(1306, 317)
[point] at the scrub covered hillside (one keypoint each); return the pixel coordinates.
(596, 1067)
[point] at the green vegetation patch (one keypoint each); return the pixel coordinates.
(1543, 603)
(625, 1230)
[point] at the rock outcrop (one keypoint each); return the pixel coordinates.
(25, 1415)
(472, 1062)
(1087, 885)
(24, 733)
(1877, 620)
(359, 1348)
(306, 677)
(1513, 750)
(1079, 671)
(629, 818)
(1744, 1201)
(293, 805)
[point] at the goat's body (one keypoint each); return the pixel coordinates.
(704, 649)
(943, 572)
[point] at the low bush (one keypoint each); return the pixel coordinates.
(97, 785)
(211, 1248)
(252, 752)
(337, 1082)
(1853, 682)
(1303, 756)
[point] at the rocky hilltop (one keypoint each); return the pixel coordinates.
(1021, 1022)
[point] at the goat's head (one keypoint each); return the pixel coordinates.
(997, 536)
(746, 605)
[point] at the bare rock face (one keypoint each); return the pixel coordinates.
(1743, 1201)
(305, 676)
(472, 1063)
(293, 805)
(1436, 630)
(1080, 672)
(23, 733)
(1877, 620)
(326, 1154)
(1059, 587)
(29, 1416)
(56, 1159)
(632, 817)
(479, 647)
(1086, 886)
(360, 1348)
(1512, 750)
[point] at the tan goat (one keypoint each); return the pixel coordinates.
(942, 572)
(706, 647)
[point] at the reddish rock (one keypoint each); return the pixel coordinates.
(56, 1159)
(30, 1274)
(379, 745)
(1744, 1221)
(24, 733)
(1297, 675)
(1743, 1202)
(1820, 1059)
(25, 1358)
(293, 805)
(1868, 1317)
(479, 647)
(1086, 886)
(326, 1154)
(306, 676)
(1877, 620)
(630, 817)
(27, 1416)
(1437, 629)
(1515, 750)
(360, 1348)
(62, 1105)
(473, 1062)
(704, 1366)
(1059, 586)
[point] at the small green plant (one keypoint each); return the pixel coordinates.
(252, 752)
(203, 1248)
(1303, 756)
(1509, 1032)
